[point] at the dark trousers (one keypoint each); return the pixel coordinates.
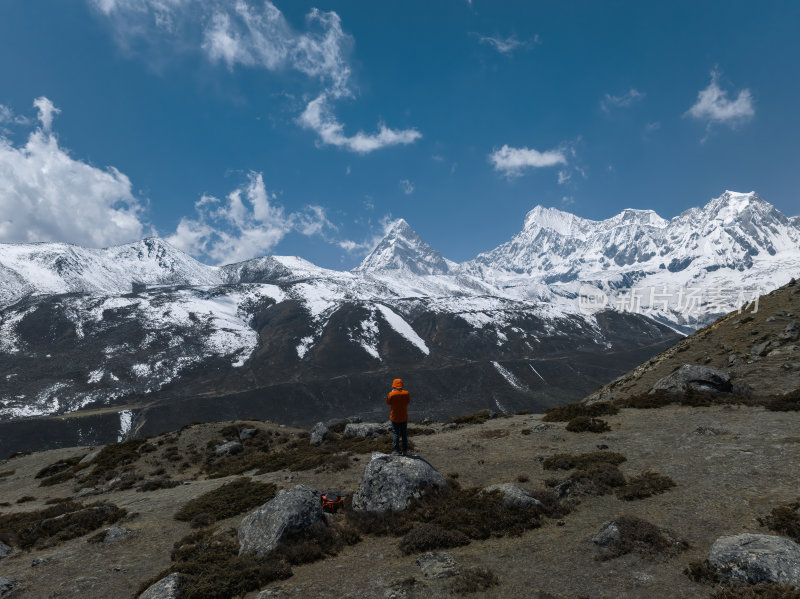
(400, 431)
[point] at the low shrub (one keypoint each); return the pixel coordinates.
(427, 537)
(476, 418)
(584, 424)
(784, 403)
(642, 537)
(6, 473)
(582, 461)
(784, 520)
(645, 485)
(702, 571)
(598, 479)
(117, 454)
(57, 467)
(473, 580)
(26, 499)
(57, 523)
(157, 483)
(228, 500)
(574, 410)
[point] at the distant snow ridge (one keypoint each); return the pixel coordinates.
(402, 249)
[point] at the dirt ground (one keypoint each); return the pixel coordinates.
(736, 469)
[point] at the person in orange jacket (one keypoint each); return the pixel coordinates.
(399, 399)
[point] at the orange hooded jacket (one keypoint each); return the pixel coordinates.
(399, 399)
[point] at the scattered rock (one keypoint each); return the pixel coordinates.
(608, 535)
(247, 433)
(401, 589)
(514, 496)
(6, 584)
(290, 511)
(756, 558)
(38, 561)
(166, 588)
(760, 349)
(389, 482)
(87, 491)
(435, 564)
(564, 488)
(267, 593)
(5, 550)
(694, 377)
(642, 578)
(229, 448)
(318, 433)
(115, 533)
(539, 428)
(371, 430)
(449, 426)
(791, 332)
(89, 457)
(707, 430)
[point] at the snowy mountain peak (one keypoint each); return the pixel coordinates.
(552, 219)
(640, 217)
(403, 249)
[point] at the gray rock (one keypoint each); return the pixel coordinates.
(564, 488)
(5, 550)
(449, 426)
(708, 431)
(229, 448)
(693, 377)
(247, 433)
(608, 535)
(89, 457)
(791, 332)
(756, 558)
(389, 482)
(514, 496)
(290, 511)
(367, 430)
(760, 349)
(435, 564)
(166, 588)
(115, 533)
(318, 433)
(38, 561)
(87, 491)
(540, 428)
(6, 584)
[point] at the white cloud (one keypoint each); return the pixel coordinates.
(318, 117)
(247, 223)
(257, 35)
(652, 126)
(629, 97)
(507, 45)
(406, 186)
(567, 200)
(563, 177)
(363, 248)
(713, 105)
(513, 161)
(45, 195)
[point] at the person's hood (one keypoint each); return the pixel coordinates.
(397, 384)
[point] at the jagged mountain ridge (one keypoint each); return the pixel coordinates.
(75, 336)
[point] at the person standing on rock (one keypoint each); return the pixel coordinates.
(399, 399)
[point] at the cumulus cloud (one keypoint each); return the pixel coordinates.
(46, 195)
(513, 161)
(319, 118)
(622, 101)
(248, 222)
(507, 45)
(362, 248)
(243, 33)
(713, 105)
(406, 186)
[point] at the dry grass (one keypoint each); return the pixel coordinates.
(227, 500)
(473, 580)
(427, 536)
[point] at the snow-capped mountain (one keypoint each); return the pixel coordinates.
(167, 339)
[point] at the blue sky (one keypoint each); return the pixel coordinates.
(238, 128)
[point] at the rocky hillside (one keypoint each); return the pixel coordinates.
(758, 347)
(654, 505)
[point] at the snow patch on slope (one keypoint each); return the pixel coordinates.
(401, 326)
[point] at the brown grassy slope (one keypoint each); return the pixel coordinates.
(737, 475)
(730, 344)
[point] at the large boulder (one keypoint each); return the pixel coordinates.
(756, 558)
(318, 433)
(367, 430)
(6, 584)
(290, 511)
(228, 448)
(168, 587)
(390, 481)
(691, 377)
(5, 550)
(514, 496)
(609, 534)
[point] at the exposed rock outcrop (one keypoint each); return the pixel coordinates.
(691, 377)
(390, 481)
(514, 496)
(166, 588)
(229, 448)
(756, 558)
(368, 430)
(318, 433)
(290, 511)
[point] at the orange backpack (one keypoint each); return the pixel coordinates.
(331, 502)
